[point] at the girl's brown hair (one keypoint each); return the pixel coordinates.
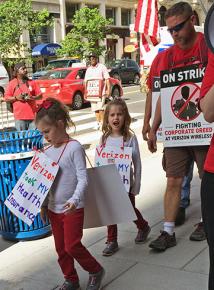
(55, 111)
(125, 130)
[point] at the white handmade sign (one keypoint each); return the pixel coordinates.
(106, 201)
(183, 123)
(27, 196)
(121, 157)
(94, 88)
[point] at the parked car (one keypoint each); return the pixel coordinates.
(125, 70)
(56, 63)
(66, 84)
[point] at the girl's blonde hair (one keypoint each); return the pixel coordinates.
(55, 111)
(125, 130)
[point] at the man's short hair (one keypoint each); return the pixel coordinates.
(180, 8)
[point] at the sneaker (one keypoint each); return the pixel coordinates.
(181, 216)
(111, 248)
(69, 285)
(95, 280)
(163, 242)
(142, 235)
(199, 233)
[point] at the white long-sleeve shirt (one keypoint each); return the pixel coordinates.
(71, 180)
(135, 178)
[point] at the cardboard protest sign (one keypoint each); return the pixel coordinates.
(106, 200)
(183, 123)
(155, 96)
(121, 157)
(94, 88)
(27, 196)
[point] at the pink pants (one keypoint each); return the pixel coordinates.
(67, 232)
(141, 223)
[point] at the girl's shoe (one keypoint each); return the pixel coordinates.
(69, 285)
(111, 248)
(95, 280)
(142, 235)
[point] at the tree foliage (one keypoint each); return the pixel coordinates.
(89, 27)
(16, 17)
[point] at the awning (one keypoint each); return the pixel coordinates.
(130, 48)
(48, 49)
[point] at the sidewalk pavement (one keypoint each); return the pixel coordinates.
(32, 265)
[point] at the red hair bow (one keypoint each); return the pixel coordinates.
(46, 104)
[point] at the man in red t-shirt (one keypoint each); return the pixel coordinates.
(185, 191)
(189, 48)
(22, 94)
(207, 185)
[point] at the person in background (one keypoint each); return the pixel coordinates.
(97, 72)
(206, 104)
(22, 93)
(64, 205)
(117, 133)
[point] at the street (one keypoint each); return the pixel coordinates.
(84, 119)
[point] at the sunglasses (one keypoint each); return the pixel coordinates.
(178, 27)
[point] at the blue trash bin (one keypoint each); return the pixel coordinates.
(16, 151)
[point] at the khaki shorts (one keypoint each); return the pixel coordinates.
(176, 160)
(98, 106)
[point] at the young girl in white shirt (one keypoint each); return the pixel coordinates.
(116, 132)
(65, 203)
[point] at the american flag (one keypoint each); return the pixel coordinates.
(147, 24)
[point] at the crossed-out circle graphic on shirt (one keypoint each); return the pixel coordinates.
(184, 101)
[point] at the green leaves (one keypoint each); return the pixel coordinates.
(89, 27)
(18, 17)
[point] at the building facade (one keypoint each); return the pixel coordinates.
(121, 11)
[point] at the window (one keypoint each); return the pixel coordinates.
(125, 17)
(81, 74)
(91, 6)
(111, 14)
(71, 9)
(131, 63)
(59, 74)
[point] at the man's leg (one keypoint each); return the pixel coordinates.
(171, 204)
(185, 197)
(199, 153)
(175, 163)
(172, 198)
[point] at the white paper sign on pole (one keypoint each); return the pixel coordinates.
(155, 96)
(121, 157)
(27, 196)
(106, 200)
(183, 123)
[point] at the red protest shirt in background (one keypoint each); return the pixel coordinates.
(208, 82)
(23, 110)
